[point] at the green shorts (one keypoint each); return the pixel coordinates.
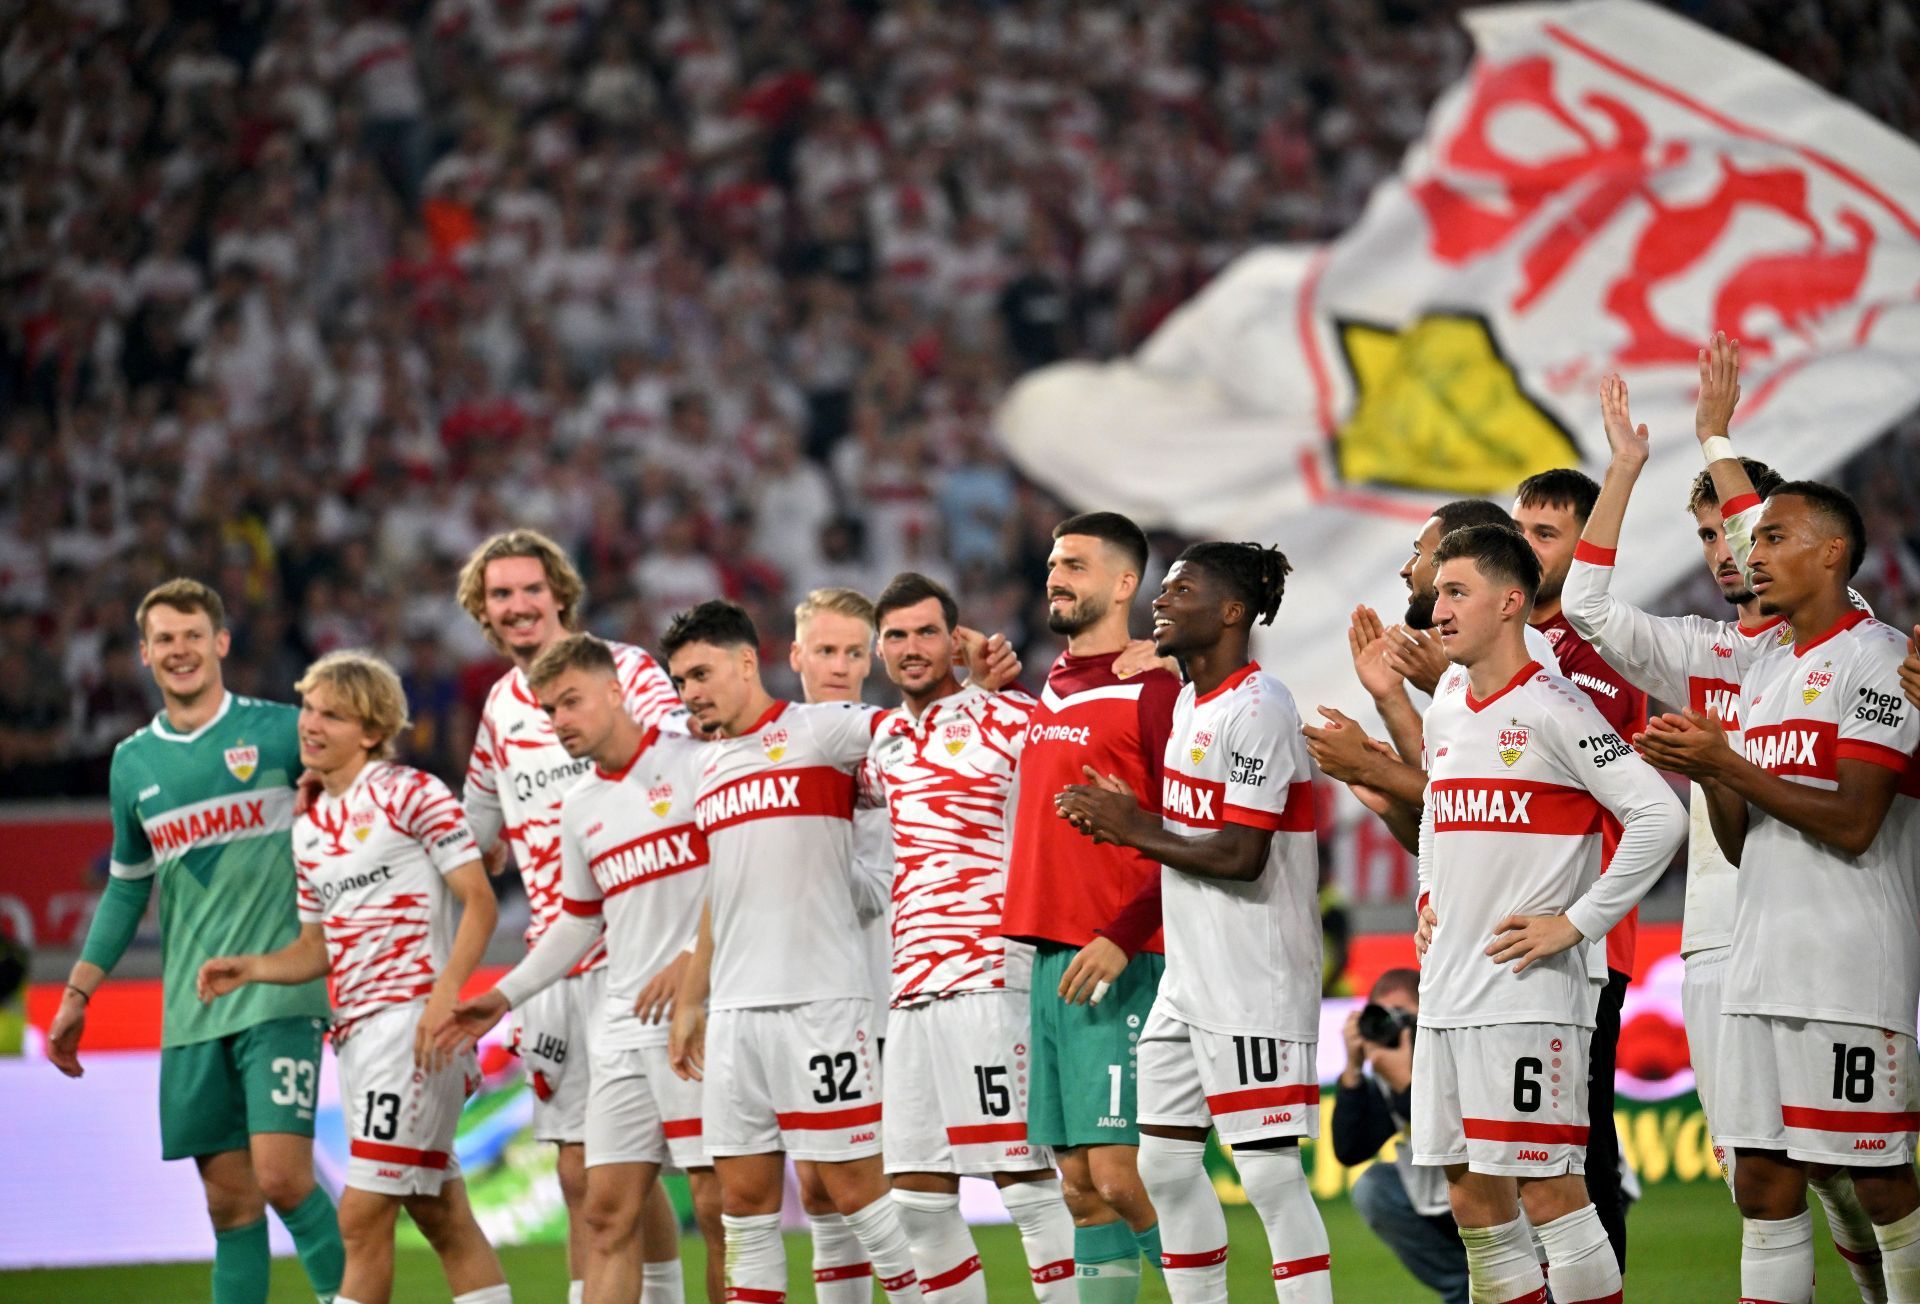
(215, 1094)
(1084, 1075)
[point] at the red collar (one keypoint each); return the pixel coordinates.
(1230, 683)
(1757, 630)
(1512, 684)
(646, 741)
(772, 714)
(1845, 622)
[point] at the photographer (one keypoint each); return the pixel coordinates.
(1405, 1206)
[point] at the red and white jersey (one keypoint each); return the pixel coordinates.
(776, 805)
(1516, 788)
(1818, 934)
(947, 782)
(630, 850)
(519, 772)
(1242, 957)
(1686, 662)
(368, 864)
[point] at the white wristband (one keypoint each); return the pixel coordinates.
(1715, 448)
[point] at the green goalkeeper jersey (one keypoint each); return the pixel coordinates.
(210, 814)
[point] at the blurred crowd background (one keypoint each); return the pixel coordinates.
(307, 298)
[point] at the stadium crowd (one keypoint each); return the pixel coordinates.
(308, 298)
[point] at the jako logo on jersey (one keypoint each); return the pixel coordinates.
(1535, 1156)
(1077, 734)
(660, 799)
(242, 761)
(151, 790)
(1285, 1116)
(1870, 1143)
(1201, 741)
(216, 821)
(1818, 681)
(1513, 742)
(1479, 805)
(1605, 748)
(859, 1138)
(1184, 801)
(774, 792)
(955, 737)
(1724, 653)
(774, 743)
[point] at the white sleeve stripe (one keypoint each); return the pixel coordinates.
(142, 870)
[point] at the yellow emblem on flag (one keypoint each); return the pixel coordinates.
(1437, 407)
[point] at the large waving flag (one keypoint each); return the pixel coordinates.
(1609, 186)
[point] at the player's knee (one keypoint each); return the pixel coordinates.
(368, 1222)
(229, 1207)
(814, 1197)
(1082, 1199)
(1886, 1194)
(612, 1216)
(285, 1188)
(435, 1218)
(1120, 1188)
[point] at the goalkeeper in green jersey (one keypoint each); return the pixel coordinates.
(203, 803)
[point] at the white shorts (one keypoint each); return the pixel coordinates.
(958, 1066)
(1706, 971)
(639, 1111)
(1826, 1093)
(1251, 1088)
(799, 1078)
(552, 1036)
(1508, 1099)
(400, 1121)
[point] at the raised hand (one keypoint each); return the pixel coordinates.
(991, 661)
(1417, 655)
(1367, 642)
(1719, 387)
(1628, 443)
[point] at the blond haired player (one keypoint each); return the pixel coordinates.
(380, 855)
(526, 595)
(1521, 767)
(833, 655)
(633, 860)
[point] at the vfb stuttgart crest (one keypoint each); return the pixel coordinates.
(1513, 741)
(955, 736)
(1201, 741)
(242, 761)
(774, 743)
(660, 799)
(1818, 681)
(360, 824)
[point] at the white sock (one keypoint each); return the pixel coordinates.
(1193, 1230)
(1501, 1268)
(1900, 1257)
(1276, 1187)
(1580, 1261)
(943, 1249)
(1776, 1259)
(501, 1294)
(576, 1292)
(1039, 1210)
(663, 1282)
(756, 1258)
(1853, 1234)
(841, 1273)
(878, 1227)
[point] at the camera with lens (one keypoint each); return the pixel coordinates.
(1382, 1025)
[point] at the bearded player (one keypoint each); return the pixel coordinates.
(633, 863)
(1700, 662)
(956, 1103)
(202, 804)
(1092, 913)
(1521, 768)
(1230, 1044)
(1822, 814)
(526, 595)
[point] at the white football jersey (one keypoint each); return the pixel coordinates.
(776, 805)
(1511, 826)
(947, 782)
(1242, 957)
(368, 866)
(1818, 934)
(630, 850)
(519, 772)
(873, 862)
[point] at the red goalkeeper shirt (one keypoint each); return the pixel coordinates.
(1060, 886)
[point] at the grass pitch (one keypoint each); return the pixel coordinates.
(1685, 1248)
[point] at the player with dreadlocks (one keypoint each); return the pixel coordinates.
(1231, 1039)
